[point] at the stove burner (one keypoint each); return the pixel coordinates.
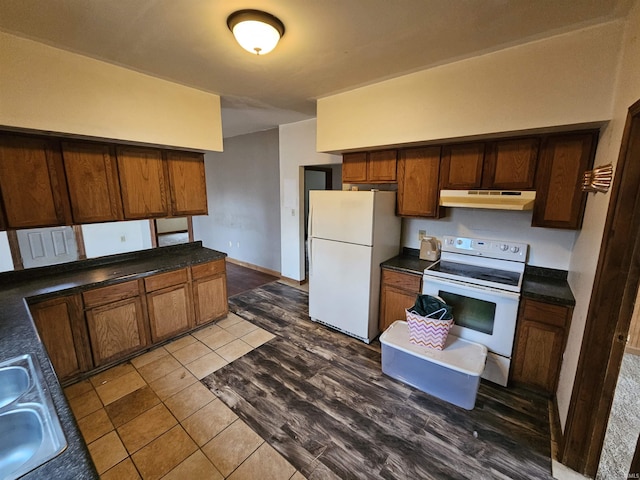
(466, 271)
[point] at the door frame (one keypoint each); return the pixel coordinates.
(610, 310)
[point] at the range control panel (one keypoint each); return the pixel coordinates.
(501, 249)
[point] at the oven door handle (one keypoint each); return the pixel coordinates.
(482, 288)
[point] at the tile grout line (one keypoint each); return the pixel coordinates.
(162, 402)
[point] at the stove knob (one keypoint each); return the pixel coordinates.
(515, 249)
(504, 247)
(459, 242)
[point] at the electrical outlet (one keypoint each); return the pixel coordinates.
(230, 243)
(238, 244)
(123, 238)
(421, 234)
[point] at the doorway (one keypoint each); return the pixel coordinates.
(322, 177)
(610, 311)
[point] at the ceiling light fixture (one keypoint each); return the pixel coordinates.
(256, 31)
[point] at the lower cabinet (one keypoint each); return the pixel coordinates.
(116, 328)
(169, 304)
(103, 325)
(210, 291)
(540, 341)
(63, 331)
(398, 291)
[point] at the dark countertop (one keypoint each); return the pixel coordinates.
(542, 284)
(18, 334)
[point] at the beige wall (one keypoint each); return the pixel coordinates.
(585, 253)
(48, 89)
(562, 80)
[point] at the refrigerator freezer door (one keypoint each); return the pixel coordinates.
(342, 216)
(339, 286)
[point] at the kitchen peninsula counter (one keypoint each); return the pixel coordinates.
(18, 334)
(543, 284)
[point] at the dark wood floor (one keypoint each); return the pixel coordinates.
(320, 399)
(240, 279)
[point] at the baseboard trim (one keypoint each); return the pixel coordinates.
(632, 350)
(254, 267)
(291, 280)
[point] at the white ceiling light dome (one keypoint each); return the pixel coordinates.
(256, 31)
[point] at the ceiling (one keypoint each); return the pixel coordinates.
(329, 45)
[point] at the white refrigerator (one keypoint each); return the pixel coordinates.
(350, 233)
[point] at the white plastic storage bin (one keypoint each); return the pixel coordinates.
(451, 374)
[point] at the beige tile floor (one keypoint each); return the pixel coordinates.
(152, 418)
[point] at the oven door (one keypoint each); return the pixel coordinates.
(481, 314)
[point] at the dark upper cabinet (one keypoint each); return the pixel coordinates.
(354, 167)
(510, 164)
(418, 172)
(563, 160)
(143, 182)
(92, 178)
(32, 182)
(187, 184)
(462, 166)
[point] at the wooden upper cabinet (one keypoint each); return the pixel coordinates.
(381, 166)
(32, 183)
(418, 171)
(560, 201)
(143, 182)
(511, 164)
(369, 167)
(462, 166)
(187, 184)
(92, 178)
(354, 167)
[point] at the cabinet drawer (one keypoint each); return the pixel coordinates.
(208, 269)
(112, 293)
(545, 313)
(168, 279)
(403, 281)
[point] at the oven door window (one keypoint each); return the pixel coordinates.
(470, 312)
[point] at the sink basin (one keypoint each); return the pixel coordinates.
(14, 381)
(30, 431)
(24, 441)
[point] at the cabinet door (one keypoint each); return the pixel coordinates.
(143, 182)
(398, 292)
(354, 167)
(170, 312)
(63, 331)
(563, 160)
(381, 166)
(187, 184)
(462, 166)
(418, 171)
(539, 355)
(210, 291)
(116, 329)
(32, 183)
(539, 344)
(210, 296)
(511, 164)
(92, 178)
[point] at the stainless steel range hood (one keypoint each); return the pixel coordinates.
(493, 199)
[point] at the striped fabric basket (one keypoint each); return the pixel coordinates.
(429, 331)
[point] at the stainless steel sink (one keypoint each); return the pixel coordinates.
(14, 381)
(30, 431)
